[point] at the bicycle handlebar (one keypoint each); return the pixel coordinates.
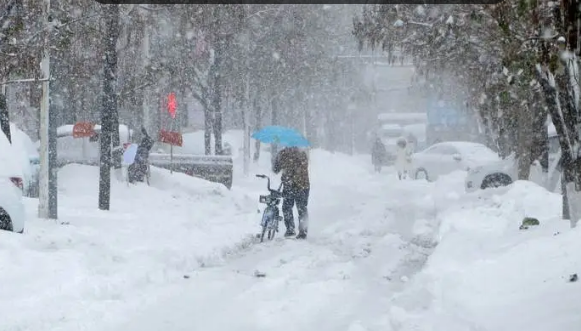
(268, 183)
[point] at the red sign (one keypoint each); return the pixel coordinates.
(172, 138)
(172, 105)
(83, 130)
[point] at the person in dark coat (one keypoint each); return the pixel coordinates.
(378, 154)
(294, 165)
(138, 169)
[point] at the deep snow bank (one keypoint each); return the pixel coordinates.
(486, 274)
(74, 270)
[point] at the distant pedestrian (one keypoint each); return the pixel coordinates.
(138, 170)
(378, 154)
(403, 159)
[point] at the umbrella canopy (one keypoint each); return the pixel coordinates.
(281, 135)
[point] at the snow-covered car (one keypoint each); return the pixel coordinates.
(494, 174)
(29, 157)
(446, 157)
(505, 171)
(12, 214)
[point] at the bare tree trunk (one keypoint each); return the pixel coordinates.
(257, 125)
(115, 139)
(524, 147)
(217, 86)
(571, 171)
(108, 110)
(5, 117)
(183, 114)
(217, 98)
(274, 117)
(310, 122)
(540, 141)
(565, 126)
(274, 110)
(208, 120)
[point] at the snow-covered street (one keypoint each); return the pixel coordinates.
(182, 256)
(434, 149)
(340, 278)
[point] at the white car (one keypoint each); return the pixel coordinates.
(29, 158)
(12, 213)
(504, 172)
(500, 173)
(446, 157)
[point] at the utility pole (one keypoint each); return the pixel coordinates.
(47, 206)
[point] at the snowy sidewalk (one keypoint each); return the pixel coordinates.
(70, 274)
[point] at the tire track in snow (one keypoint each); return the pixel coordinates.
(342, 277)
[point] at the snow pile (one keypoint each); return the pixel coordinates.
(90, 261)
(487, 274)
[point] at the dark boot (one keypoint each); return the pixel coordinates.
(302, 202)
(287, 212)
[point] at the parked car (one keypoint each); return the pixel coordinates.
(12, 214)
(29, 157)
(505, 171)
(446, 157)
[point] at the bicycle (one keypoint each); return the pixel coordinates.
(271, 215)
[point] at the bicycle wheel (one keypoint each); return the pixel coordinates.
(263, 233)
(148, 174)
(271, 233)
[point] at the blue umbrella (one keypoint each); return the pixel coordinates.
(281, 135)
